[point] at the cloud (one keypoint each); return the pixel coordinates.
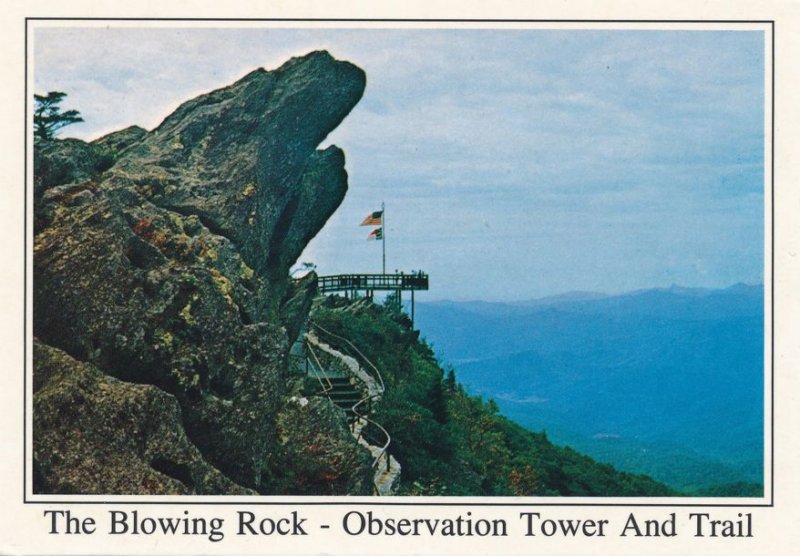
(602, 160)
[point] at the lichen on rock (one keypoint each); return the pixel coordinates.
(166, 263)
(98, 435)
(316, 453)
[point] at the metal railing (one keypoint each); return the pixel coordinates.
(319, 371)
(388, 282)
(353, 352)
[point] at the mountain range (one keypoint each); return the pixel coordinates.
(668, 382)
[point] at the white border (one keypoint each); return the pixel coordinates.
(22, 528)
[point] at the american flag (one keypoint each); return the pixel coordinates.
(373, 219)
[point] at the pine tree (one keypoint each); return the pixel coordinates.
(450, 381)
(48, 117)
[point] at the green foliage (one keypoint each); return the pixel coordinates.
(48, 117)
(735, 489)
(451, 443)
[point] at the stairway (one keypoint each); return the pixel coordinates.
(339, 384)
(344, 394)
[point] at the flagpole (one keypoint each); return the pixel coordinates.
(383, 239)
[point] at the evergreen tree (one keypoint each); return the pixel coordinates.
(438, 402)
(48, 117)
(450, 381)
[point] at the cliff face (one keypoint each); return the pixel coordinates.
(161, 299)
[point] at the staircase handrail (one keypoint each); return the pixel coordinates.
(368, 421)
(320, 374)
(350, 346)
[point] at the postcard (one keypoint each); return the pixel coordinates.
(432, 281)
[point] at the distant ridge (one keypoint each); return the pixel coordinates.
(632, 379)
(585, 295)
(564, 297)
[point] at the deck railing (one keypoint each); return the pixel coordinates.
(367, 282)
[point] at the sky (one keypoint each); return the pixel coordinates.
(514, 164)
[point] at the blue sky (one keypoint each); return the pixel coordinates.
(513, 163)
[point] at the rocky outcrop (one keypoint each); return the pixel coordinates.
(116, 143)
(243, 159)
(167, 264)
(98, 435)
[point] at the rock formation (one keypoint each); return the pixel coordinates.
(161, 292)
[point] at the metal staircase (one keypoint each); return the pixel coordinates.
(353, 387)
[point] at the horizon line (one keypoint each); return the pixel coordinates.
(594, 293)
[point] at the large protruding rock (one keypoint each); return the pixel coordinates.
(243, 158)
(168, 267)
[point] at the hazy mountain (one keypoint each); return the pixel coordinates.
(663, 381)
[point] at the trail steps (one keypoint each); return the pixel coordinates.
(352, 388)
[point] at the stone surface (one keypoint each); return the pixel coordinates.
(94, 434)
(244, 159)
(167, 264)
(317, 453)
(297, 304)
(117, 142)
(71, 164)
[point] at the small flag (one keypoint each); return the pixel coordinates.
(377, 233)
(374, 219)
